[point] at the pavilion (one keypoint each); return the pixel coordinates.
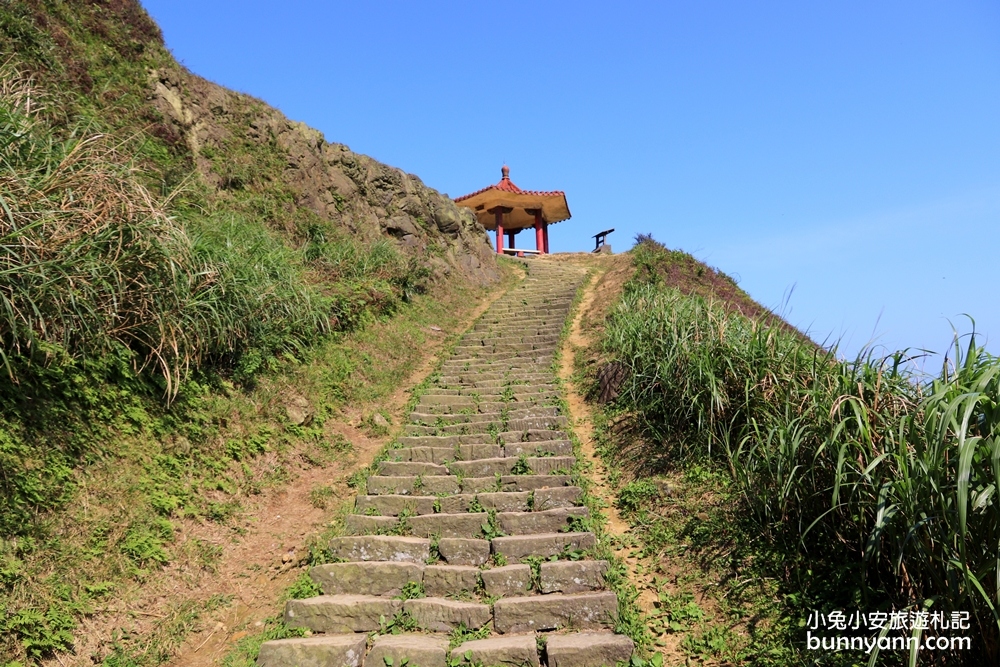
(506, 208)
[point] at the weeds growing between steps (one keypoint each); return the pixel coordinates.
(850, 485)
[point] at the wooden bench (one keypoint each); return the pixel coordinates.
(520, 252)
(599, 239)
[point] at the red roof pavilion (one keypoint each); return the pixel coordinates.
(504, 207)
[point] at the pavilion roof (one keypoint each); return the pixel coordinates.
(506, 194)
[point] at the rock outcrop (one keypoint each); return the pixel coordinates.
(233, 138)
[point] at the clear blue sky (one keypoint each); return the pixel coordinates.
(849, 150)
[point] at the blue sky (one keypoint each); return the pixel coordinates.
(840, 159)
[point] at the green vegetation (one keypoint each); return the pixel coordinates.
(158, 325)
(872, 486)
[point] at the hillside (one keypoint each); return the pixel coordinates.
(201, 302)
(241, 366)
(762, 477)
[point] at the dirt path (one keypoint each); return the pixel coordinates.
(640, 571)
(580, 411)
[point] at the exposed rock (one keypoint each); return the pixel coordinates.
(298, 411)
(369, 199)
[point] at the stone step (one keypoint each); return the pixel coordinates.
(492, 340)
(554, 497)
(519, 650)
(510, 501)
(438, 455)
(517, 547)
(388, 579)
(472, 407)
(507, 366)
(410, 484)
(541, 465)
(507, 581)
(528, 435)
(542, 448)
(476, 451)
(406, 468)
(502, 501)
(444, 615)
(556, 611)
(375, 578)
(395, 504)
(521, 326)
(588, 649)
(533, 523)
(501, 313)
(572, 576)
(450, 580)
(487, 393)
(464, 551)
(493, 371)
(468, 524)
(515, 483)
(548, 423)
(487, 339)
(380, 547)
(341, 613)
(556, 305)
(409, 649)
(341, 650)
(514, 412)
(493, 388)
(425, 525)
(501, 348)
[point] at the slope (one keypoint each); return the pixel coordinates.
(200, 301)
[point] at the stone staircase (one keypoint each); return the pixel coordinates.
(472, 527)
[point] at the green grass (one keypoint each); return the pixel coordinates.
(878, 482)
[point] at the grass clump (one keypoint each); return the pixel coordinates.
(880, 480)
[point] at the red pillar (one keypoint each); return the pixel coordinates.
(499, 215)
(545, 237)
(539, 235)
(510, 239)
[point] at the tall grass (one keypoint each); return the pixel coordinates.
(869, 464)
(90, 260)
(106, 288)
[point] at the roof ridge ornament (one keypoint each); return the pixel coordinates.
(505, 172)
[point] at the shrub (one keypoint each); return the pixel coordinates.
(891, 474)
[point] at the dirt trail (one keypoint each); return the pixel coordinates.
(580, 411)
(640, 571)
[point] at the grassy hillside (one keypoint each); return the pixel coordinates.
(182, 272)
(852, 485)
